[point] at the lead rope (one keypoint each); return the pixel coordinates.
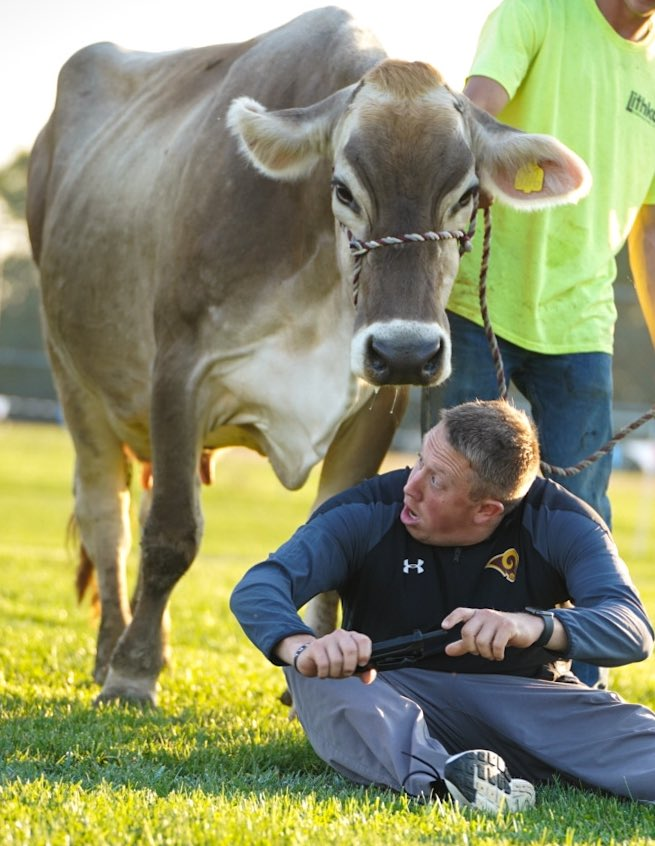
(547, 469)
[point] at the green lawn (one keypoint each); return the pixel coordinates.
(218, 762)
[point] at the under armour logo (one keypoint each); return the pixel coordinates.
(418, 567)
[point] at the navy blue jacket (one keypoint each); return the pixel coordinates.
(551, 548)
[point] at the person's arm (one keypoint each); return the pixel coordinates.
(320, 557)
(487, 94)
(510, 39)
(335, 655)
(608, 624)
(267, 598)
(641, 252)
(487, 632)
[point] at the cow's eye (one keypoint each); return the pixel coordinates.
(466, 197)
(343, 194)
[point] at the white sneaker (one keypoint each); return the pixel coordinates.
(479, 779)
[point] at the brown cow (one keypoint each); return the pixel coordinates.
(194, 301)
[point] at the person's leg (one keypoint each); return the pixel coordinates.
(541, 728)
(571, 401)
(369, 733)
(373, 734)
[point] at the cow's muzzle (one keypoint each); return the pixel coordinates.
(401, 353)
(420, 364)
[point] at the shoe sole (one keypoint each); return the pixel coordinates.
(479, 779)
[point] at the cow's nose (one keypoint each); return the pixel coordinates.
(415, 364)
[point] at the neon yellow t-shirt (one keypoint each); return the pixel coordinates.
(568, 74)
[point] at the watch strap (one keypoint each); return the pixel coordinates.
(548, 619)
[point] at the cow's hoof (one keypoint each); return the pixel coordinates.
(128, 691)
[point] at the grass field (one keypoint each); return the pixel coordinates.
(218, 762)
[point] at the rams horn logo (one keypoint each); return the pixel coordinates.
(507, 564)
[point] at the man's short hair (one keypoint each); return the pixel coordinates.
(500, 444)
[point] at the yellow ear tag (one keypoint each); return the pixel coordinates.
(529, 178)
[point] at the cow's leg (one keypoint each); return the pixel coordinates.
(144, 510)
(170, 538)
(355, 454)
(102, 512)
(102, 503)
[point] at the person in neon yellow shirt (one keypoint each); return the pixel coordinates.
(584, 71)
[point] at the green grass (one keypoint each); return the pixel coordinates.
(218, 762)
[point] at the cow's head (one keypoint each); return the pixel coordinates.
(408, 156)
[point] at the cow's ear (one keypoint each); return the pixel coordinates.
(286, 144)
(524, 170)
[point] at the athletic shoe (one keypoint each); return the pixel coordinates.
(479, 779)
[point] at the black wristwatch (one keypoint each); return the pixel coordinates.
(549, 624)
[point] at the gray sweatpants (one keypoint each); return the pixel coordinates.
(399, 731)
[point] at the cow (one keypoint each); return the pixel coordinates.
(206, 224)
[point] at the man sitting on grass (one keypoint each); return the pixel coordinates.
(471, 540)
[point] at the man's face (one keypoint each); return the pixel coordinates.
(437, 507)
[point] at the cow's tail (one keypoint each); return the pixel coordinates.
(85, 577)
(85, 581)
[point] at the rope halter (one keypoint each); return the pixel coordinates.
(358, 249)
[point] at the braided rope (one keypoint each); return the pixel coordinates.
(547, 469)
(360, 248)
(605, 450)
(484, 308)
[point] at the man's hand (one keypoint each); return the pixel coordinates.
(487, 633)
(334, 656)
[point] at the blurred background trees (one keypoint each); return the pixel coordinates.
(24, 370)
